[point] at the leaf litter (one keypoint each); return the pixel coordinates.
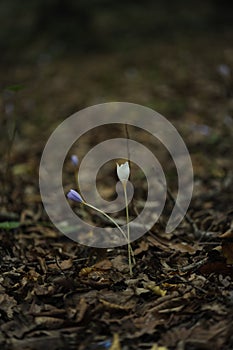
(58, 294)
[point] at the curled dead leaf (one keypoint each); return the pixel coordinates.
(227, 246)
(156, 347)
(115, 343)
(155, 289)
(7, 304)
(114, 306)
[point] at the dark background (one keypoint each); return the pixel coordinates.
(65, 27)
(58, 57)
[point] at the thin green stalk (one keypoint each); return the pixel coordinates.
(110, 219)
(130, 251)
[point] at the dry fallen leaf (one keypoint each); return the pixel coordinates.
(156, 347)
(7, 304)
(155, 289)
(115, 306)
(115, 343)
(227, 246)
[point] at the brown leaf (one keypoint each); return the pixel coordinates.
(184, 247)
(115, 306)
(115, 343)
(227, 245)
(143, 247)
(7, 304)
(227, 250)
(154, 288)
(66, 264)
(119, 263)
(103, 265)
(218, 267)
(157, 347)
(82, 308)
(50, 322)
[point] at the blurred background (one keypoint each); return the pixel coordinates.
(114, 47)
(58, 57)
(56, 27)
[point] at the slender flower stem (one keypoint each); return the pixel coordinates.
(108, 217)
(130, 251)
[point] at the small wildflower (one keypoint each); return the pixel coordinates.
(74, 160)
(224, 70)
(123, 172)
(74, 196)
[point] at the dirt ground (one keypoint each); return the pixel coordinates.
(58, 294)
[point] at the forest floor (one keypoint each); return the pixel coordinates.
(58, 294)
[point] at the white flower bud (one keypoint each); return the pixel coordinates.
(123, 171)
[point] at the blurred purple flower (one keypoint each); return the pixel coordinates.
(202, 129)
(224, 70)
(74, 159)
(74, 196)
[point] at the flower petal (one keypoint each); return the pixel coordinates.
(74, 196)
(74, 159)
(123, 171)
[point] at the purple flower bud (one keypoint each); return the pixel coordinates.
(74, 160)
(224, 70)
(74, 196)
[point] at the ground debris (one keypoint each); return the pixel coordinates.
(57, 294)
